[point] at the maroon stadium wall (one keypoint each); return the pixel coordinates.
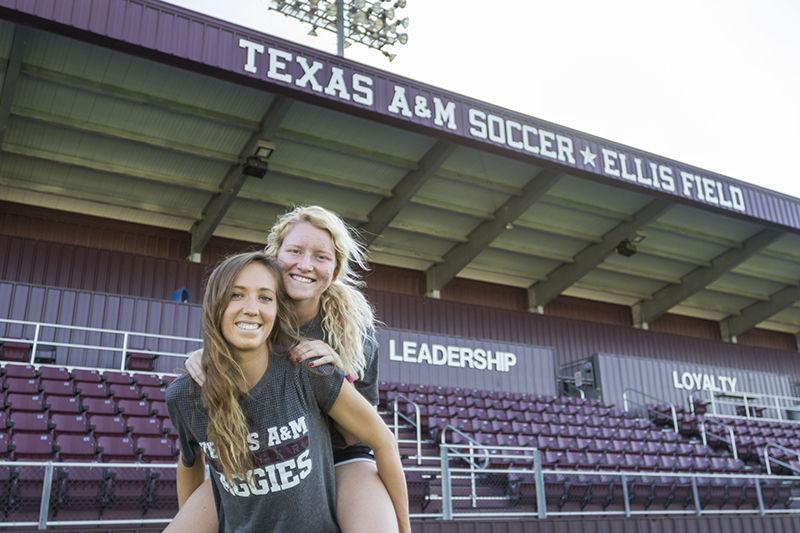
(48, 247)
(569, 340)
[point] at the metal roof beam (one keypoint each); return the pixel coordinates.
(112, 132)
(671, 295)
(540, 294)
(753, 315)
(20, 40)
(218, 205)
(107, 89)
(460, 256)
(85, 163)
(387, 209)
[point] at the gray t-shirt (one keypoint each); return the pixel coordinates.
(367, 385)
(291, 488)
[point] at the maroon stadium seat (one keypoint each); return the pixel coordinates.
(167, 379)
(28, 421)
(125, 392)
(26, 402)
(92, 390)
(69, 423)
(83, 493)
(107, 425)
(75, 447)
(649, 462)
(612, 461)
(116, 448)
(134, 407)
(100, 406)
(81, 375)
(53, 373)
(169, 429)
(26, 493)
(15, 351)
(117, 378)
(159, 409)
(64, 404)
(21, 385)
(147, 380)
(154, 393)
(20, 371)
(57, 388)
(32, 446)
(156, 449)
(144, 426)
(164, 491)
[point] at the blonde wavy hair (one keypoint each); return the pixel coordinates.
(222, 391)
(347, 317)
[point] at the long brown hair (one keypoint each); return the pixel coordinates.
(347, 316)
(225, 380)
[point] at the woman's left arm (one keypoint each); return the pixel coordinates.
(357, 416)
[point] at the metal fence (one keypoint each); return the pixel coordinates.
(48, 494)
(515, 483)
(48, 343)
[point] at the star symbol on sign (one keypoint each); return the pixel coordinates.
(588, 156)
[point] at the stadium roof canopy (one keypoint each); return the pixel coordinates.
(141, 111)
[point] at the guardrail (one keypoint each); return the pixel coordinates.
(417, 422)
(749, 405)
(627, 400)
(37, 342)
(47, 486)
(538, 474)
(768, 459)
(730, 441)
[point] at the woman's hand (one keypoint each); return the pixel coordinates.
(318, 351)
(194, 366)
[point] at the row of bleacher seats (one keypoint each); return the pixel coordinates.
(77, 404)
(50, 413)
(76, 447)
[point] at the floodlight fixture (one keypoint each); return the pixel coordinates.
(368, 22)
(256, 165)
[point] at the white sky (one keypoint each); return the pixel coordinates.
(711, 83)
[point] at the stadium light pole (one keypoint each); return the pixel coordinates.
(372, 23)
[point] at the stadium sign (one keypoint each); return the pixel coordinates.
(451, 355)
(702, 381)
(332, 79)
(420, 357)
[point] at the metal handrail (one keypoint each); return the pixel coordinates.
(626, 400)
(473, 444)
(751, 401)
(47, 486)
(417, 423)
(36, 342)
(704, 433)
(768, 459)
(624, 476)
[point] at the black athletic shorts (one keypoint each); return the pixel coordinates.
(352, 454)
